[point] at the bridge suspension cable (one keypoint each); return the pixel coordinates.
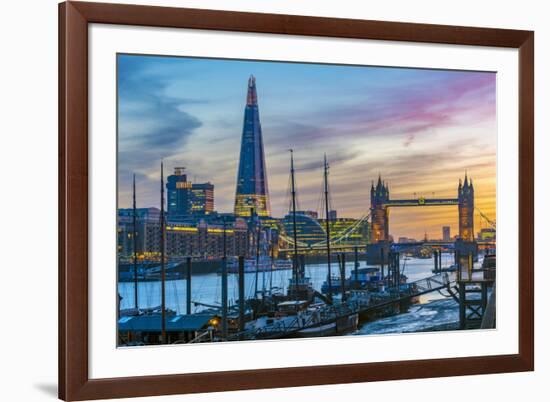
(344, 234)
(289, 240)
(491, 222)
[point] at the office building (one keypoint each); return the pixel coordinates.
(185, 199)
(252, 190)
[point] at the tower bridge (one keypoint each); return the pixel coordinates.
(381, 203)
(378, 221)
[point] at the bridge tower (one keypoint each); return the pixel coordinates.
(379, 197)
(466, 210)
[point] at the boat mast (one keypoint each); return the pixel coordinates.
(295, 237)
(327, 227)
(255, 243)
(271, 266)
(258, 235)
(134, 237)
(260, 251)
(224, 284)
(162, 252)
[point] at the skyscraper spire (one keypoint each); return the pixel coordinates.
(252, 190)
(251, 96)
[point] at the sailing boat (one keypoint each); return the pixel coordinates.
(300, 313)
(299, 287)
(328, 286)
(265, 264)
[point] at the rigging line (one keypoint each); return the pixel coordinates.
(251, 285)
(149, 290)
(320, 204)
(296, 198)
(141, 293)
(355, 226)
(489, 221)
(128, 292)
(198, 293)
(234, 285)
(330, 201)
(218, 296)
(346, 232)
(178, 308)
(123, 291)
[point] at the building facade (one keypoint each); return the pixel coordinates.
(252, 191)
(487, 234)
(184, 198)
(145, 217)
(347, 230)
(308, 229)
(201, 240)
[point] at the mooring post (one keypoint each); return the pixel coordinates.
(343, 276)
(302, 265)
(462, 304)
(435, 262)
(393, 269)
(241, 293)
(382, 265)
(458, 265)
(397, 270)
(339, 262)
(470, 265)
(440, 266)
(356, 268)
(484, 296)
(224, 298)
(390, 269)
(188, 287)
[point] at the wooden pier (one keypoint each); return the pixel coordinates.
(358, 302)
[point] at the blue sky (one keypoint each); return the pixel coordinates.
(420, 129)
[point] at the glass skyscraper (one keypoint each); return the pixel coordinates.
(252, 192)
(185, 198)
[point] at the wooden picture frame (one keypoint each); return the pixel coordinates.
(74, 381)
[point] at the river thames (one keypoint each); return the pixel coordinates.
(434, 310)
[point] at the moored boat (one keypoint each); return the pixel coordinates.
(264, 264)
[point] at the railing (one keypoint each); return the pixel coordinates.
(199, 338)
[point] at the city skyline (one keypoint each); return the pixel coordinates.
(420, 129)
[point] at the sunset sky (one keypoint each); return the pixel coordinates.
(419, 129)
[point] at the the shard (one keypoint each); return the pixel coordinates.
(252, 194)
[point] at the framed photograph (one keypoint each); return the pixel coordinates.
(259, 200)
